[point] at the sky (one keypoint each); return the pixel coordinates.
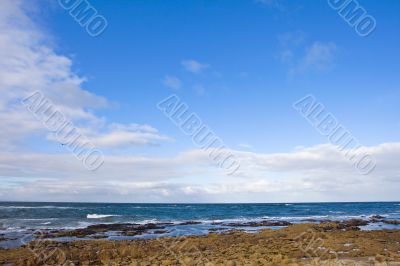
(239, 66)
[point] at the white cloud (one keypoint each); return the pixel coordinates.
(315, 173)
(125, 135)
(194, 66)
(28, 64)
(172, 82)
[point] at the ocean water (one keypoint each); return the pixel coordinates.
(17, 219)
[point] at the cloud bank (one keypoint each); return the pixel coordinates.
(319, 172)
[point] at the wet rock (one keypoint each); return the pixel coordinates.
(317, 220)
(347, 225)
(394, 222)
(352, 224)
(311, 220)
(377, 217)
(261, 223)
(99, 236)
(126, 229)
(131, 233)
(112, 227)
(189, 223)
(217, 229)
(160, 232)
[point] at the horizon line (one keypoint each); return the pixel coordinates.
(198, 203)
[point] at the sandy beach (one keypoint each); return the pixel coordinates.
(328, 243)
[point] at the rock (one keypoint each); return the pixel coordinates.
(394, 222)
(126, 229)
(131, 233)
(217, 229)
(189, 223)
(352, 224)
(160, 231)
(262, 223)
(291, 245)
(377, 217)
(99, 236)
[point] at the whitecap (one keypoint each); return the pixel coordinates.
(147, 221)
(99, 216)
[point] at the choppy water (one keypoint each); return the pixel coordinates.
(19, 218)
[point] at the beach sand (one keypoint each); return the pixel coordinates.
(301, 244)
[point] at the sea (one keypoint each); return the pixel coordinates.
(20, 220)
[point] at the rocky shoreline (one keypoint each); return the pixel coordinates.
(99, 231)
(334, 242)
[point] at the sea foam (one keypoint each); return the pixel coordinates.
(99, 216)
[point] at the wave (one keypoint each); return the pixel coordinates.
(294, 219)
(35, 219)
(291, 218)
(152, 221)
(100, 216)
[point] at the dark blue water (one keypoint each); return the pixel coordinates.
(17, 217)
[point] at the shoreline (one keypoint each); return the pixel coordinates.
(154, 229)
(297, 244)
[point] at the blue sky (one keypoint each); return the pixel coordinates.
(239, 65)
(246, 85)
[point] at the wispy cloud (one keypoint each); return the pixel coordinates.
(194, 66)
(120, 135)
(199, 89)
(289, 44)
(301, 57)
(246, 146)
(172, 82)
(319, 56)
